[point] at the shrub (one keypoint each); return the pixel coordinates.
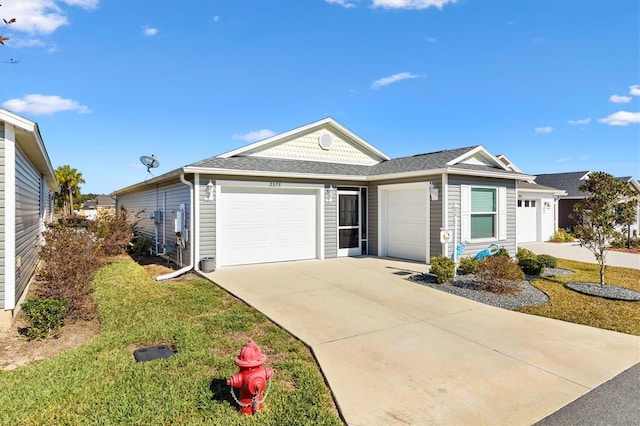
(69, 260)
(500, 275)
(547, 261)
(530, 266)
(468, 265)
(502, 252)
(113, 232)
(443, 268)
(141, 245)
(562, 236)
(44, 316)
(524, 253)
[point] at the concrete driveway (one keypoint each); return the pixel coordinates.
(395, 352)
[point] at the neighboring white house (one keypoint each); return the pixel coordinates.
(320, 191)
(27, 186)
(537, 208)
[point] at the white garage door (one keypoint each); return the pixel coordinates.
(258, 225)
(526, 216)
(405, 222)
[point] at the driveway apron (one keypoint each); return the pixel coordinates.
(396, 352)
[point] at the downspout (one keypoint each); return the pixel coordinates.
(191, 231)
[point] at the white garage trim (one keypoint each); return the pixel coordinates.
(303, 196)
(407, 237)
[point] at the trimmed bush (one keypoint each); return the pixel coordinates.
(443, 268)
(524, 253)
(562, 236)
(530, 266)
(44, 316)
(547, 261)
(502, 252)
(500, 275)
(141, 245)
(468, 265)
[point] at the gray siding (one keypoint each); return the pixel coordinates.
(165, 198)
(435, 219)
(331, 226)
(28, 206)
(454, 197)
(207, 220)
(2, 216)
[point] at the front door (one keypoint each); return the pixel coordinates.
(349, 223)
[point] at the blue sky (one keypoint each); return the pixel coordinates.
(552, 84)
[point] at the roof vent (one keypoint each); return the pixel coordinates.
(325, 140)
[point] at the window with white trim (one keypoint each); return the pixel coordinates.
(483, 212)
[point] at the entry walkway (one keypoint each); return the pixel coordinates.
(396, 352)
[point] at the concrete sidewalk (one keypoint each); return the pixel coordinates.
(573, 251)
(396, 352)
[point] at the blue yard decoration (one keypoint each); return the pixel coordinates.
(459, 250)
(490, 251)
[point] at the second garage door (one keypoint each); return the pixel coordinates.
(259, 225)
(405, 223)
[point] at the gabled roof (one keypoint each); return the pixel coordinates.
(472, 160)
(261, 148)
(27, 136)
(568, 182)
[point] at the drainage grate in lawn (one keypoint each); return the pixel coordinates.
(152, 352)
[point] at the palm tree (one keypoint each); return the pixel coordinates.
(69, 180)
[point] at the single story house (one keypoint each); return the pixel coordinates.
(537, 208)
(570, 182)
(320, 191)
(27, 188)
(100, 205)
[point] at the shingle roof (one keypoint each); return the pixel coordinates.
(429, 161)
(566, 181)
(529, 185)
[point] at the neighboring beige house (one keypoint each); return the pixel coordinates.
(320, 191)
(27, 187)
(100, 205)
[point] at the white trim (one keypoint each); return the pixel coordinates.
(478, 149)
(445, 210)
(9, 217)
(502, 212)
(195, 233)
(306, 129)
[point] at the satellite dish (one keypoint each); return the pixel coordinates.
(149, 162)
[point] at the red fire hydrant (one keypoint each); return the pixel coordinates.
(252, 379)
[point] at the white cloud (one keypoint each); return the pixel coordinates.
(411, 4)
(621, 118)
(634, 90)
(563, 159)
(617, 99)
(543, 130)
(41, 16)
(580, 121)
(385, 81)
(432, 40)
(38, 104)
(149, 31)
(26, 42)
(254, 136)
(344, 3)
(216, 18)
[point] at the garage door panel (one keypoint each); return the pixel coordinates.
(406, 223)
(259, 225)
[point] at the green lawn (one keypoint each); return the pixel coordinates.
(568, 305)
(100, 382)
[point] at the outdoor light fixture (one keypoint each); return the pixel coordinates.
(208, 191)
(329, 194)
(547, 205)
(433, 191)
